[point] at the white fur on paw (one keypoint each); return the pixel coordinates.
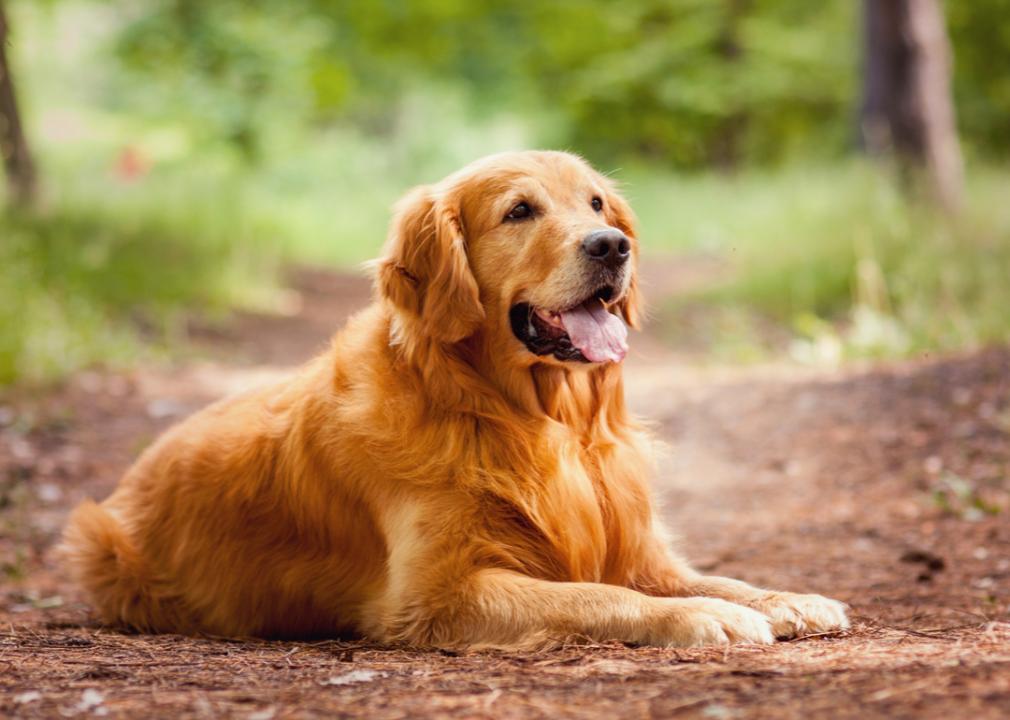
(695, 622)
(793, 615)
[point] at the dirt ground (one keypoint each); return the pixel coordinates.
(887, 487)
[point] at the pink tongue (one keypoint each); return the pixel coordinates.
(600, 335)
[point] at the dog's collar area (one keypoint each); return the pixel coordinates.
(540, 337)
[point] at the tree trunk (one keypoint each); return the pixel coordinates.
(17, 159)
(907, 106)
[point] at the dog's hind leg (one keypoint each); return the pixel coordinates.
(102, 558)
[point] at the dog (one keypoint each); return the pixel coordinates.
(457, 470)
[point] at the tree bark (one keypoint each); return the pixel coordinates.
(907, 106)
(17, 159)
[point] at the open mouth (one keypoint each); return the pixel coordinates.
(584, 332)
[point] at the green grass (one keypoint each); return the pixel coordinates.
(844, 260)
(82, 282)
(835, 257)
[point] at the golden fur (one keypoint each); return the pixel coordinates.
(427, 480)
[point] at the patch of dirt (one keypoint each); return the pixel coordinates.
(886, 487)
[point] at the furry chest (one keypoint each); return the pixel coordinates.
(578, 524)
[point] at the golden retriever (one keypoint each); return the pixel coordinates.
(458, 469)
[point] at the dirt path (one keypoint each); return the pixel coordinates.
(888, 488)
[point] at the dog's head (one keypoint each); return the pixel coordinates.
(536, 251)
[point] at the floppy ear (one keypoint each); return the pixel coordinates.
(620, 215)
(424, 270)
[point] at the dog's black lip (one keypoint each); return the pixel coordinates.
(523, 317)
(604, 293)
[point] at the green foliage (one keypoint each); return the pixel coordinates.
(119, 256)
(698, 83)
(852, 266)
(273, 132)
(980, 34)
(688, 83)
(78, 281)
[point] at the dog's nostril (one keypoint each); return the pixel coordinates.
(610, 246)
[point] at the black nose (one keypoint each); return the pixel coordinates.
(610, 247)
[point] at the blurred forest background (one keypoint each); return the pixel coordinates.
(174, 155)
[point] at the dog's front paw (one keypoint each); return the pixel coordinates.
(793, 615)
(694, 622)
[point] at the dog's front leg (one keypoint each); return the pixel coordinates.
(792, 614)
(500, 608)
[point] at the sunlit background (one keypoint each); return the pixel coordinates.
(187, 151)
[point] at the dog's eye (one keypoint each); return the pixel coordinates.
(520, 212)
(597, 204)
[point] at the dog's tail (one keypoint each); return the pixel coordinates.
(103, 560)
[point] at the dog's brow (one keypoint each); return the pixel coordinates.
(526, 188)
